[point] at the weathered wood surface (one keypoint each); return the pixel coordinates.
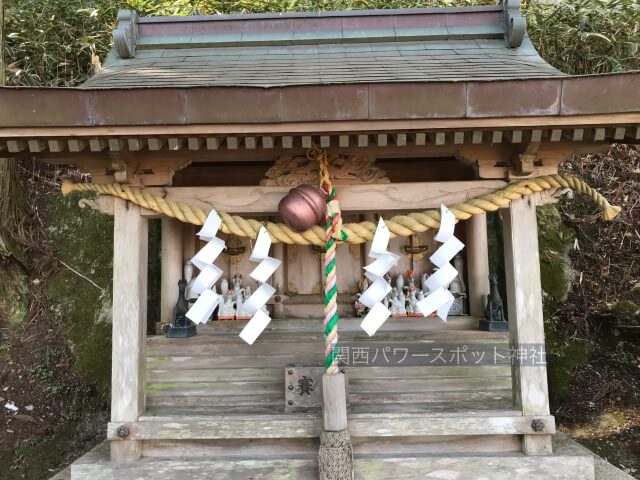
(129, 321)
(347, 325)
(305, 425)
(477, 264)
(567, 464)
(354, 198)
(212, 374)
(171, 268)
(526, 325)
(334, 402)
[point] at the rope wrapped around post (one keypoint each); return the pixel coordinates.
(399, 225)
(333, 225)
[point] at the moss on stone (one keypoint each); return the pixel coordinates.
(625, 310)
(82, 238)
(564, 359)
(555, 241)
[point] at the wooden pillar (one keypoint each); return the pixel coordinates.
(477, 264)
(188, 241)
(171, 267)
(526, 327)
(278, 279)
(129, 322)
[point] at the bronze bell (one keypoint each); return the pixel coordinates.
(303, 207)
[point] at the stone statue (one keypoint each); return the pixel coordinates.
(423, 284)
(360, 309)
(238, 291)
(495, 309)
(227, 308)
(224, 288)
(188, 277)
(397, 308)
(412, 304)
(458, 289)
(181, 326)
(241, 314)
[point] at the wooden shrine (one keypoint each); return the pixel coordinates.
(415, 108)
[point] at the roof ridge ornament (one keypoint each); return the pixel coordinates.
(515, 25)
(126, 33)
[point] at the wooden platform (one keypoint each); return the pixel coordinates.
(216, 406)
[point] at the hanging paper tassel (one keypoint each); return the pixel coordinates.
(379, 288)
(203, 285)
(440, 299)
(253, 306)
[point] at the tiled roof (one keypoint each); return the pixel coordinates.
(416, 45)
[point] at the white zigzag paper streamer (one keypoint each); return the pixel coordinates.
(253, 306)
(440, 298)
(379, 288)
(203, 285)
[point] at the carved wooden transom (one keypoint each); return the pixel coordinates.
(344, 170)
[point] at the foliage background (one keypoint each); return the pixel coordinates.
(58, 42)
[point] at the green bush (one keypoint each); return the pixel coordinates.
(58, 42)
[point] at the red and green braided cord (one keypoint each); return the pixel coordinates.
(331, 288)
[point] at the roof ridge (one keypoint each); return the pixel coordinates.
(353, 26)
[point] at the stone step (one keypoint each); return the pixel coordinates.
(568, 462)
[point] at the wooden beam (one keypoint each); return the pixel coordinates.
(400, 139)
(599, 134)
(343, 141)
(136, 144)
(212, 143)
(16, 146)
(381, 139)
(356, 198)
(526, 324)
(325, 141)
(37, 146)
(57, 146)
(128, 323)
(458, 138)
(477, 264)
(524, 162)
(496, 136)
(337, 127)
(476, 137)
(287, 141)
(578, 134)
(514, 136)
(175, 143)
(98, 144)
(195, 143)
(171, 268)
(618, 133)
(307, 141)
(250, 143)
(268, 142)
(77, 144)
(477, 422)
(116, 144)
(363, 141)
(155, 144)
(555, 135)
(420, 138)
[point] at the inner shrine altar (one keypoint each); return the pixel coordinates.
(323, 183)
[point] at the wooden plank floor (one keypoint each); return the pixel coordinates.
(217, 372)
